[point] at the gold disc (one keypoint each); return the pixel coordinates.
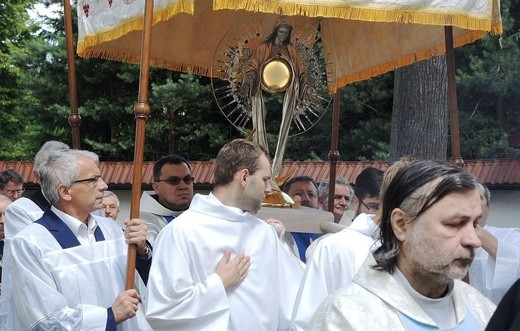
(276, 75)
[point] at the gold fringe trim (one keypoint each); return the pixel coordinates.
(135, 58)
(497, 29)
(405, 60)
(183, 6)
(370, 13)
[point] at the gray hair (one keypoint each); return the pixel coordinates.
(61, 168)
(415, 188)
(484, 193)
(323, 188)
(45, 150)
(107, 194)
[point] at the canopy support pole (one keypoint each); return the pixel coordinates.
(334, 153)
(141, 111)
(452, 98)
(74, 118)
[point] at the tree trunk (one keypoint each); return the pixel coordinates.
(420, 116)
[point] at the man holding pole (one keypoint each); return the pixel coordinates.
(69, 265)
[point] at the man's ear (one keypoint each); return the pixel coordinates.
(243, 176)
(154, 186)
(399, 224)
(64, 192)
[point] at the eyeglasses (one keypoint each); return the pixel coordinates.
(174, 181)
(371, 206)
(13, 192)
(91, 181)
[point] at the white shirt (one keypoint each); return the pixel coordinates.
(441, 310)
(84, 232)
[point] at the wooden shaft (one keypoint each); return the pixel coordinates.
(452, 96)
(74, 118)
(141, 111)
(334, 153)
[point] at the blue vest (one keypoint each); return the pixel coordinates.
(303, 241)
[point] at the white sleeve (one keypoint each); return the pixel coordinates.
(317, 283)
(155, 224)
(494, 277)
(179, 297)
(507, 264)
(18, 215)
(290, 273)
(330, 317)
(334, 263)
(38, 302)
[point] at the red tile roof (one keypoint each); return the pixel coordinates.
(502, 172)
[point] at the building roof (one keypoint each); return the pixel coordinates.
(498, 172)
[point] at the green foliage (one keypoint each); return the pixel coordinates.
(187, 105)
(365, 129)
(487, 81)
(483, 138)
(13, 32)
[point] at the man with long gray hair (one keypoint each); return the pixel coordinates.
(428, 241)
(70, 265)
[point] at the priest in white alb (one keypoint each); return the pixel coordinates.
(218, 267)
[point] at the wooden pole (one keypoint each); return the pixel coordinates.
(452, 98)
(141, 111)
(74, 118)
(334, 153)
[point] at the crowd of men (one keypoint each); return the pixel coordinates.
(415, 254)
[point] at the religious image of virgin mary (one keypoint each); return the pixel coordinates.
(278, 55)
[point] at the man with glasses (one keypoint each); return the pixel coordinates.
(173, 186)
(366, 191)
(69, 265)
(11, 184)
